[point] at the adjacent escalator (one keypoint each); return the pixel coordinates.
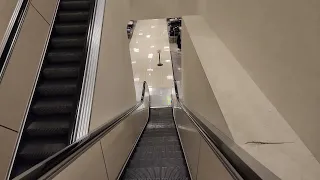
(52, 112)
(158, 154)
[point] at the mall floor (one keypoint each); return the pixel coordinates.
(149, 38)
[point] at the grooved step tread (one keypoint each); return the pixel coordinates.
(56, 88)
(65, 56)
(158, 154)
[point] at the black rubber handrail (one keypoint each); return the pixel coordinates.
(58, 161)
(12, 34)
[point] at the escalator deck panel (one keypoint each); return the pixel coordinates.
(52, 113)
(158, 154)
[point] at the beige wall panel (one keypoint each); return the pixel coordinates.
(197, 92)
(250, 115)
(277, 42)
(210, 166)
(114, 89)
(17, 83)
(8, 140)
(155, 9)
(6, 10)
(117, 143)
(46, 8)
(89, 166)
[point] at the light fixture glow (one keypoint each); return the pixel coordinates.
(150, 69)
(133, 62)
(153, 27)
(148, 36)
(136, 79)
(149, 74)
(149, 86)
(151, 46)
(137, 42)
(136, 49)
(150, 55)
(170, 77)
(140, 34)
(168, 60)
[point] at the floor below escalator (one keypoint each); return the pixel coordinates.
(158, 154)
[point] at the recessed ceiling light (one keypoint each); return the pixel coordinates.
(136, 49)
(149, 74)
(136, 79)
(151, 46)
(150, 55)
(149, 69)
(168, 60)
(137, 42)
(148, 36)
(133, 62)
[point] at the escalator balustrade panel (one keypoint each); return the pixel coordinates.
(52, 113)
(158, 154)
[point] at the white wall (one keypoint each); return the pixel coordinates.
(197, 93)
(157, 9)
(249, 114)
(277, 43)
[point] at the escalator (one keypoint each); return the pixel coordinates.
(158, 154)
(146, 143)
(51, 116)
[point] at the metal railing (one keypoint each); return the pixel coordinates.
(11, 35)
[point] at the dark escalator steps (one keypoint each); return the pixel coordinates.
(73, 16)
(52, 113)
(55, 88)
(65, 56)
(68, 41)
(166, 173)
(37, 150)
(61, 71)
(49, 127)
(75, 28)
(158, 154)
(75, 5)
(53, 106)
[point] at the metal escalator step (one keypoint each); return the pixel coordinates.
(53, 88)
(68, 41)
(73, 16)
(156, 141)
(39, 150)
(65, 56)
(75, 5)
(157, 173)
(52, 106)
(74, 28)
(49, 127)
(61, 71)
(158, 152)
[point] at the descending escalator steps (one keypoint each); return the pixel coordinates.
(51, 117)
(73, 16)
(158, 154)
(61, 71)
(38, 150)
(65, 56)
(76, 28)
